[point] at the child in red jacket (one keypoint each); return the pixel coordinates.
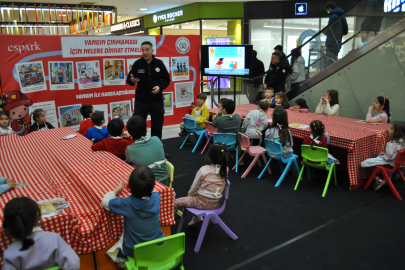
(86, 111)
(118, 142)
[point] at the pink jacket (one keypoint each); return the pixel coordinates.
(382, 117)
(206, 180)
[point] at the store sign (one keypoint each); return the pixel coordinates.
(394, 6)
(167, 17)
(126, 25)
(301, 8)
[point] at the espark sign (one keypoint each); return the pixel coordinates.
(168, 17)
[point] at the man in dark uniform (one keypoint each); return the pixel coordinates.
(151, 77)
(277, 75)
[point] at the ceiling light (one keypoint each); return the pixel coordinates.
(15, 21)
(192, 24)
(186, 22)
(143, 9)
(202, 20)
(119, 17)
(52, 21)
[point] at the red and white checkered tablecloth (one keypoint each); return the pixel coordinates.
(69, 169)
(362, 140)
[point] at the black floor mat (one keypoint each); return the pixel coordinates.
(279, 228)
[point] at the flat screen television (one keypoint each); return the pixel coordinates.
(226, 60)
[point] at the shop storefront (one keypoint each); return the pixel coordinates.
(287, 23)
(130, 27)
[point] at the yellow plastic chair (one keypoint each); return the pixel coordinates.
(149, 256)
(170, 168)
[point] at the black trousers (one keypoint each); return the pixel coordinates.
(156, 111)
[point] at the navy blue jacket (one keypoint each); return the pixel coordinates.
(334, 33)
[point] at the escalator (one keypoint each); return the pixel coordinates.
(371, 61)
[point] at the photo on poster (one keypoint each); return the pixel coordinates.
(114, 70)
(184, 94)
(180, 69)
(121, 110)
(130, 62)
(133, 106)
(50, 111)
(61, 76)
(31, 77)
(168, 102)
(69, 116)
(88, 74)
(102, 108)
(166, 62)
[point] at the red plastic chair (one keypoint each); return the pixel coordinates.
(210, 133)
(400, 162)
(254, 151)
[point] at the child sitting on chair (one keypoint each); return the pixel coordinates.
(396, 132)
(256, 121)
(33, 248)
(226, 121)
(118, 142)
(5, 129)
(145, 150)
(98, 132)
(219, 108)
(86, 111)
(199, 113)
(39, 118)
(140, 210)
(209, 183)
(280, 132)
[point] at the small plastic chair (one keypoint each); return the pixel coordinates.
(151, 255)
(54, 268)
(170, 169)
(210, 133)
(231, 143)
(316, 157)
(191, 127)
(209, 215)
(399, 164)
(254, 151)
(276, 149)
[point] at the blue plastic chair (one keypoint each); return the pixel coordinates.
(276, 149)
(230, 139)
(191, 127)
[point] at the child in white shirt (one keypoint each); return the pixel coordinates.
(331, 106)
(5, 129)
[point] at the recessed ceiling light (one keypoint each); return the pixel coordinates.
(143, 9)
(15, 21)
(119, 17)
(192, 24)
(202, 20)
(186, 22)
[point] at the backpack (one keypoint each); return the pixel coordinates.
(345, 27)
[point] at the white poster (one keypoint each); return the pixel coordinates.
(180, 69)
(130, 62)
(61, 76)
(91, 46)
(114, 70)
(184, 94)
(102, 108)
(70, 116)
(50, 111)
(133, 102)
(168, 102)
(31, 77)
(166, 62)
(121, 110)
(88, 74)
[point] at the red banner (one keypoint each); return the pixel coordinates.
(61, 73)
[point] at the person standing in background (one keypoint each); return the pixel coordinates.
(298, 69)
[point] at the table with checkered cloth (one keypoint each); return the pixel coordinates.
(69, 169)
(362, 140)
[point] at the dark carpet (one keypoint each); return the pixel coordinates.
(279, 228)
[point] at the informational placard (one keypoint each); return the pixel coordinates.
(66, 72)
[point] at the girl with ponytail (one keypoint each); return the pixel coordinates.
(280, 132)
(33, 248)
(209, 183)
(382, 105)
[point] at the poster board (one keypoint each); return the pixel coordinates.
(66, 72)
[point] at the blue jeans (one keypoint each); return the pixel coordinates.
(165, 182)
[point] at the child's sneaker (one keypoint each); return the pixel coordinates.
(183, 133)
(378, 183)
(195, 221)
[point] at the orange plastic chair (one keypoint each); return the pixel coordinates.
(399, 164)
(254, 151)
(210, 133)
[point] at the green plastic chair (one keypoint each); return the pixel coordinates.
(320, 156)
(170, 168)
(149, 256)
(53, 268)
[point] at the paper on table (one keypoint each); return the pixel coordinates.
(371, 123)
(69, 136)
(296, 125)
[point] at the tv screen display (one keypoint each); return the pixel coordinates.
(226, 60)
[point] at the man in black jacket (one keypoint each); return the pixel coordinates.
(277, 75)
(151, 77)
